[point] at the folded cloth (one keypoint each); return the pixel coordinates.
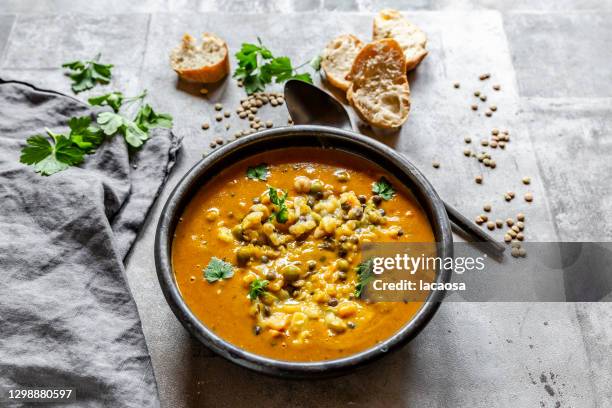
(67, 318)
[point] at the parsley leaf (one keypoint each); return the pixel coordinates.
(257, 288)
(257, 67)
(113, 99)
(282, 215)
(86, 74)
(217, 270)
(364, 276)
(83, 134)
(315, 63)
(383, 188)
(49, 158)
(110, 122)
(147, 118)
(259, 172)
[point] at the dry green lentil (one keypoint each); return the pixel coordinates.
(520, 236)
(205, 125)
(477, 93)
(467, 152)
(499, 223)
(520, 217)
(436, 165)
(487, 207)
(457, 85)
(528, 197)
(483, 97)
(218, 118)
(488, 113)
(467, 139)
(521, 225)
(507, 238)
(491, 225)
(493, 108)
(227, 114)
(510, 222)
(526, 180)
(484, 142)
(218, 106)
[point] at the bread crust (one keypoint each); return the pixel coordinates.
(390, 23)
(208, 73)
(337, 58)
(379, 90)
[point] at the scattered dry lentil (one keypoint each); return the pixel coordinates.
(436, 165)
(526, 180)
(487, 207)
(474, 107)
(457, 85)
(483, 97)
(488, 113)
(477, 93)
(218, 106)
(499, 223)
(528, 197)
(218, 117)
(520, 217)
(205, 125)
(484, 76)
(510, 222)
(496, 87)
(493, 107)
(467, 139)
(478, 179)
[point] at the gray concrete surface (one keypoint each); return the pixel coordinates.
(554, 63)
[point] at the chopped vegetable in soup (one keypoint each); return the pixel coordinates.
(267, 254)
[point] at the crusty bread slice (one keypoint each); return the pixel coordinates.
(379, 90)
(391, 24)
(337, 59)
(207, 62)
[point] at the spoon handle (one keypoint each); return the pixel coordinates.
(464, 225)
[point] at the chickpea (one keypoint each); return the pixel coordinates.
(302, 184)
(244, 254)
(347, 309)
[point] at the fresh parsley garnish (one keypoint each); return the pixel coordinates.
(364, 276)
(257, 67)
(49, 156)
(52, 154)
(259, 172)
(257, 288)
(282, 214)
(383, 188)
(86, 74)
(134, 131)
(315, 63)
(113, 99)
(85, 135)
(217, 270)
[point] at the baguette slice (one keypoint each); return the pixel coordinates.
(379, 90)
(391, 24)
(337, 59)
(206, 63)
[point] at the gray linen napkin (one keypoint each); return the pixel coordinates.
(67, 318)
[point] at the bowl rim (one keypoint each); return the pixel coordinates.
(188, 185)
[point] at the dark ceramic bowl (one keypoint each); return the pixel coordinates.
(280, 138)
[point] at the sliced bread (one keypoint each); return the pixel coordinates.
(379, 90)
(207, 62)
(337, 59)
(391, 24)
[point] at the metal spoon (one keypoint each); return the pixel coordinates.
(310, 105)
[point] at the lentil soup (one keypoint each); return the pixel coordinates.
(267, 255)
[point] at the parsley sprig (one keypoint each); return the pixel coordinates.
(383, 188)
(218, 269)
(86, 74)
(282, 213)
(257, 67)
(257, 288)
(57, 152)
(259, 172)
(364, 275)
